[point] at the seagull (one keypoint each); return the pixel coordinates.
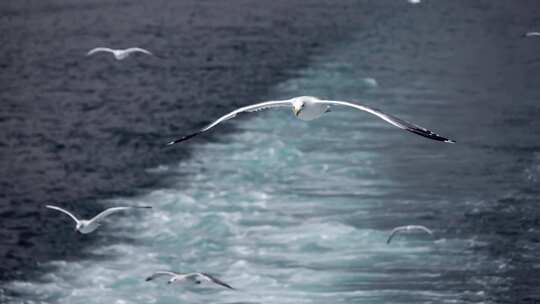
(309, 108)
(414, 1)
(196, 277)
(119, 54)
(87, 226)
(532, 34)
(371, 82)
(407, 228)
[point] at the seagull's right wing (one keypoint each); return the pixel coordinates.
(99, 49)
(63, 211)
(110, 211)
(400, 123)
(138, 49)
(160, 274)
(531, 34)
(393, 233)
(423, 228)
(212, 279)
(252, 108)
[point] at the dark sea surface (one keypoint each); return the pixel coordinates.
(284, 210)
(77, 129)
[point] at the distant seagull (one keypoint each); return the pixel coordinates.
(532, 34)
(195, 277)
(414, 1)
(371, 82)
(119, 54)
(87, 226)
(407, 228)
(308, 108)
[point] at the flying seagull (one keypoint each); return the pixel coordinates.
(371, 82)
(309, 108)
(196, 277)
(407, 228)
(414, 1)
(87, 226)
(119, 54)
(532, 34)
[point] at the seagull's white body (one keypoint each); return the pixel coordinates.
(119, 54)
(196, 277)
(407, 228)
(88, 226)
(414, 1)
(309, 108)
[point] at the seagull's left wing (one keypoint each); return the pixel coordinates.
(393, 233)
(400, 123)
(251, 108)
(140, 50)
(99, 49)
(161, 274)
(110, 211)
(209, 278)
(73, 217)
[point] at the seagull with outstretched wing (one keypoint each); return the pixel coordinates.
(119, 54)
(309, 108)
(87, 226)
(407, 228)
(196, 277)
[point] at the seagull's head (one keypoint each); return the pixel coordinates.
(78, 227)
(298, 105)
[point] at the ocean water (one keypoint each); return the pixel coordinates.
(298, 212)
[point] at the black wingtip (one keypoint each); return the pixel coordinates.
(218, 281)
(227, 285)
(428, 134)
(182, 139)
(148, 279)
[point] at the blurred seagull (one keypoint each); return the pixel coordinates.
(414, 1)
(119, 54)
(407, 228)
(87, 226)
(532, 34)
(371, 82)
(309, 108)
(196, 277)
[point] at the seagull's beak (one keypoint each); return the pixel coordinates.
(296, 111)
